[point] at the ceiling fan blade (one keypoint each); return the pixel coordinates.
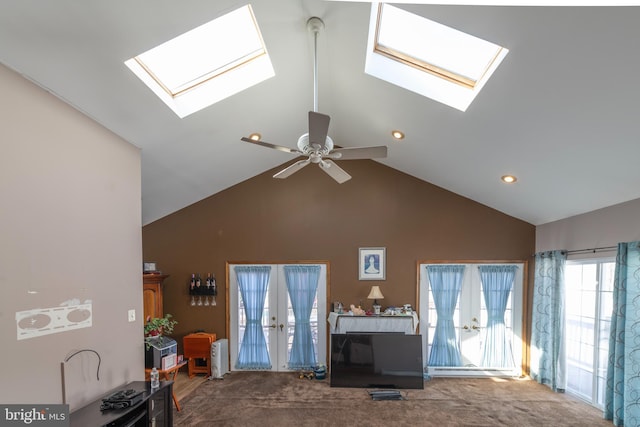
(318, 128)
(334, 171)
(275, 147)
(359, 153)
(292, 169)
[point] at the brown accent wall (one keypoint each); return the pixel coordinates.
(308, 216)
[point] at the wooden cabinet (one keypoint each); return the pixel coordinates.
(198, 346)
(152, 294)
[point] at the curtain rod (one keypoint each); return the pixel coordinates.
(589, 250)
(592, 250)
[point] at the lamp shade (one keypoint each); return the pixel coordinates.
(375, 293)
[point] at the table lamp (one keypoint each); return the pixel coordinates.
(375, 295)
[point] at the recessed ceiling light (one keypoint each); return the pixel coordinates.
(397, 134)
(509, 179)
(255, 136)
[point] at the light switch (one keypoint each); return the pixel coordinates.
(132, 315)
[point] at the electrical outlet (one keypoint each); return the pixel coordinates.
(132, 315)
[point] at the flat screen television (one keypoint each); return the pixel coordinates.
(376, 360)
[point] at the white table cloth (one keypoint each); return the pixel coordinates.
(343, 323)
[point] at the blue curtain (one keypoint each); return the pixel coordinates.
(548, 361)
(497, 282)
(302, 284)
(446, 282)
(253, 282)
(622, 397)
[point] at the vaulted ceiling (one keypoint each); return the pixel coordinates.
(561, 112)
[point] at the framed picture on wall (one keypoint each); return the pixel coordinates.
(372, 264)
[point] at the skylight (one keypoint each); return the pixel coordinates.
(207, 64)
(429, 58)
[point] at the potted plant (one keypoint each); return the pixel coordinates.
(156, 327)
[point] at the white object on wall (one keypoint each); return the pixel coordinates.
(45, 321)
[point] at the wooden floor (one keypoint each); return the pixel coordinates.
(184, 386)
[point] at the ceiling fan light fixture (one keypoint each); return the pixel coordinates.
(306, 148)
(255, 136)
(397, 134)
(316, 145)
(509, 179)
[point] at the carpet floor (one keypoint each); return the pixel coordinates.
(283, 399)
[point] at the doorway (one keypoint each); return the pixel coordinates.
(285, 347)
(589, 287)
(484, 333)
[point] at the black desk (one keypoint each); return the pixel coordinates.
(155, 406)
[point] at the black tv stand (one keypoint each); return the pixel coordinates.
(154, 408)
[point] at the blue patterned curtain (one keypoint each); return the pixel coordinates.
(302, 284)
(497, 282)
(446, 282)
(622, 398)
(253, 282)
(548, 361)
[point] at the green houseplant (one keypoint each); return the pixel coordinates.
(156, 327)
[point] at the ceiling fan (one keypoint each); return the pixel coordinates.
(317, 145)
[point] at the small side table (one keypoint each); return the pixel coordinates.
(198, 346)
(169, 375)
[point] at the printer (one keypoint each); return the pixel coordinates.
(158, 348)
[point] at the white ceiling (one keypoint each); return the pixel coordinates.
(562, 111)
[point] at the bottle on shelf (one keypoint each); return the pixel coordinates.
(214, 290)
(192, 289)
(207, 288)
(155, 378)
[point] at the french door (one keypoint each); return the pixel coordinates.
(474, 323)
(589, 305)
(277, 319)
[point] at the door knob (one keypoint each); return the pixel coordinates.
(273, 326)
(281, 326)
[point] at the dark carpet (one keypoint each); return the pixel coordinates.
(283, 399)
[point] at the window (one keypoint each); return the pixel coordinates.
(429, 58)
(589, 304)
(207, 64)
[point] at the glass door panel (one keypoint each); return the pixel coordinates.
(470, 321)
(589, 304)
(278, 319)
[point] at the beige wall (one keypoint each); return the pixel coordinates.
(310, 217)
(70, 230)
(600, 228)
